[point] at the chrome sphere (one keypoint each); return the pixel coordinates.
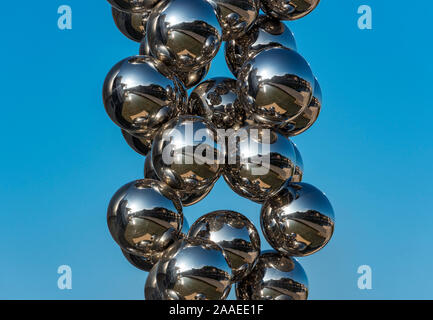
(133, 5)
(235, 234)
(258, 164)
(144, 263)
(194, 269)
(298, 220)
(140, 95)
(190, 78)
(186, 155)
(188, 198)
(276, 86)
(217, 101)
(139, 145)
(275, 277)
(288, 9)
(184, 34)
(151, 290)
(266, 33)
(299, 166)
(308, 117)
(145, 217)
(132, 25)
(235, 16)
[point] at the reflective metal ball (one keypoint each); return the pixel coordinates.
(184, 34)
(288, 9)
(276, 86)
(235, 16)
(186, 155)
(235, 234)
(132, 25)
(145, 217)
(144, 263)
(139, 145)
(194, 269)
(188, 78)
(258, 164)
(298, 220)
(151, 290)
(266, 33)
(188, 198)
(299, 166)
(217, 101)
(308, 117)
(275, 277)
(133, 5)
(141, 94)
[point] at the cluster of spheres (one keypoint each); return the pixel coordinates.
(170, 113)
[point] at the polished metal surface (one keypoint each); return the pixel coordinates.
(308, 117)
(266, 33)
(145, 217)
(189, 79)
(260, 163)
(298, 220)
(133, 5)
(144, 263)
(186, 155)
(299, 166)
(139, 145)
(275, 277)
(216, 100)
(188, 198)
(132, 25)
(288, 9)
(276, 86)
(193, 269)
(235, 234)
(184, 34)
(235, 16)
(141, 94)
(151, 289)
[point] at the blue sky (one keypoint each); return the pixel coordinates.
(62, 158)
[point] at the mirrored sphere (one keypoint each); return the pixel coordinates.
(299, 166)
(235, 234)
(194, 269)
(139, 145)
(258, 164)
(288, 9)
(275, 277)
(276, 86)
(298, 220)
(186, 154)
(132, 25)
(151, 290)
(217, 101)
(188, 198)
(145, 217)
(266, 33)
(235, 16)
(133, 5)
(140, 95)
(308, 117)
(184, 34)
(144, 263)
(190, 78)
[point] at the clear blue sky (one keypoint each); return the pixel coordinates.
(62, 158)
